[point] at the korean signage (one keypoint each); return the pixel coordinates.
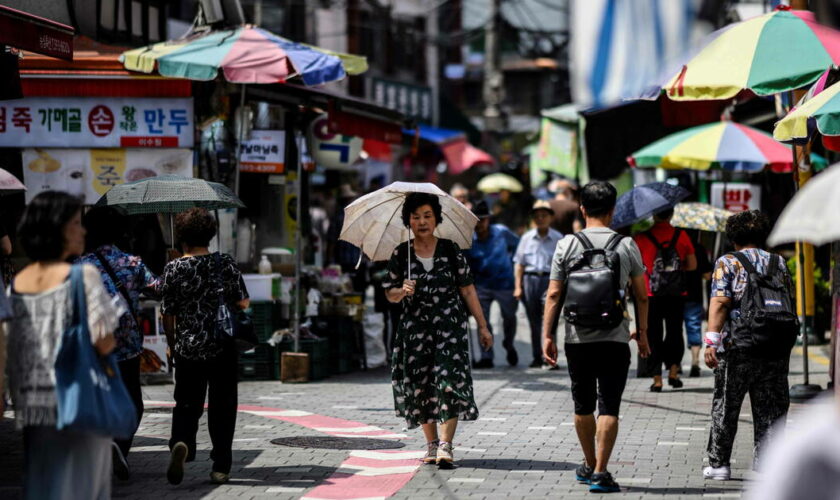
(264, 152)
(107, 122)
(411, 100)
(332, 150)
(736, 196)
(89, 173)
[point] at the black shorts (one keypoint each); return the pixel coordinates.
(599, 372)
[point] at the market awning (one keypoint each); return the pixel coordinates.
(37, 34)
(461, 155)
(435, 135)
(347, 115)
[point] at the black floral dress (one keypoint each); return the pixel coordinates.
(431, 361)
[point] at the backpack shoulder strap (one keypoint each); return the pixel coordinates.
(653, 240)
(674, 238)
(773, 265)
(614, 241)
(584, 241)
(745, 262)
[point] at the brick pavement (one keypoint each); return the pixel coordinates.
(524, 445)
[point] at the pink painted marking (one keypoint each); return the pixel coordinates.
(373, 462)
(341, 486)
(319, 421)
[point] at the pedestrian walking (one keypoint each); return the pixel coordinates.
(195, 287)
(532, 266)
(126, 276)
(668, 254)
(695, 308)
(752, 329)
(491, 260)
(566, 208)
(462, 194)
(430, 367)
(66, 463)
(590, 270)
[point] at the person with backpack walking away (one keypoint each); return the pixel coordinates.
(752, 328)
(532, 266)
(667, 253)
(591, 269)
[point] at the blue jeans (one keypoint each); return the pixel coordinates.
(693, 316)
(508, 305)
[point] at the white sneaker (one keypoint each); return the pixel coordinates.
(717, 473)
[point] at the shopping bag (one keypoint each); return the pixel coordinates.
(91, 395)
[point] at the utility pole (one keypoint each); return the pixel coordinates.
(495, 121)
(804, 259)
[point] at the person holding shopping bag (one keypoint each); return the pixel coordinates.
(430, 372)
(60, 461)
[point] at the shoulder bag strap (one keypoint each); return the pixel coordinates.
(117, 282)
(77, 294)
(217, 257)
(773, 265)
(674, 238)
(614, 241)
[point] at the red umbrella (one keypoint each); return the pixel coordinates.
(9, 184)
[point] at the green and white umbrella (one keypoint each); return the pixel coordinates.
(169, 194)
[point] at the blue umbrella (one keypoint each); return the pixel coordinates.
(643, 201)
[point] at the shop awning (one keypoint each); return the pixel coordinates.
(37, 34)
(347, 115)
(436, 135)
(461, 155)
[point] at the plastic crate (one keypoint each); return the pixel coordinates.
(319, 355)
(266, 319)
(259, 370)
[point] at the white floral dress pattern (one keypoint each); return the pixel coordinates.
(430, 372)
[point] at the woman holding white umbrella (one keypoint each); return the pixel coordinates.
(431, 359)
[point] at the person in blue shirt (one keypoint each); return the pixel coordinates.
(491, 260)
(533, 267)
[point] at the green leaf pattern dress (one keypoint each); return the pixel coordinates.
(430, 372)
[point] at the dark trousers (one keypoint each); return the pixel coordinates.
(130, 373)
(192, 380)
(666, 344)
(766, 381)
(508, 305)
(534, 287)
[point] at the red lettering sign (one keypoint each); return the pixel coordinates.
(149, 142)
(101, 121)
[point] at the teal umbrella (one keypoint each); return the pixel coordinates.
(169, 194)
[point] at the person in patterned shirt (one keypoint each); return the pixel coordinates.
(126, 276)
(736, 372)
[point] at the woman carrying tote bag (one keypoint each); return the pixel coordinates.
(65, 463)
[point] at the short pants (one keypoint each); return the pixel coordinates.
(599, 373)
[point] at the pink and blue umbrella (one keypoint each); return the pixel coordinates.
(246, 54)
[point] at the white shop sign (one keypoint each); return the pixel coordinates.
(736, 196)
(89, 173)
(98, 122)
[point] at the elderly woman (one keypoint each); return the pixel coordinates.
(431, 359)
(204, 359)
(58, 463)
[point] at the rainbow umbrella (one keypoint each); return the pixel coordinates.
(821, 112)
(246, 54)
(775, 52)
(725, 145)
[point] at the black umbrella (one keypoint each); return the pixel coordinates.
(643, 201)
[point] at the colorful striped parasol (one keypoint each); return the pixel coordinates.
(724, 145)
(821, 112)
(246, 54)
(775, 52)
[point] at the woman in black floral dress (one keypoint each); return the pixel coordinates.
(431, 359)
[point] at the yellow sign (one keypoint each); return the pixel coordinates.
(108, 168)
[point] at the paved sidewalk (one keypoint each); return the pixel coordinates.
(524, 445)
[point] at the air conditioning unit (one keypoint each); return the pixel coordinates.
(227, 12)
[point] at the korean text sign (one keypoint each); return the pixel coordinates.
(97, 122)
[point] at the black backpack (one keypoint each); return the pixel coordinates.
(667, 278)
(768, 324)
(593, 291)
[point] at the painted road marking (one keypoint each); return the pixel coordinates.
(366, 428)
(527, 471)
(362, 470)
(523, 403)
(546, 428)
(384, 436)
(672, 443)
(492, 433)
(691, 428)
(465, 480)
(345, 407)
(379, 455)
(512, 389)
(259, 426)
(632, 480)
(160, 447)
(280, 413)
(814, 356)
(492, 419)
(243, 440)
(472, 450)
(284, 489)
(568, 424)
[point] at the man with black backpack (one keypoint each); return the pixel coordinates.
(752, 329)
(589, 273)
(667, 253)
